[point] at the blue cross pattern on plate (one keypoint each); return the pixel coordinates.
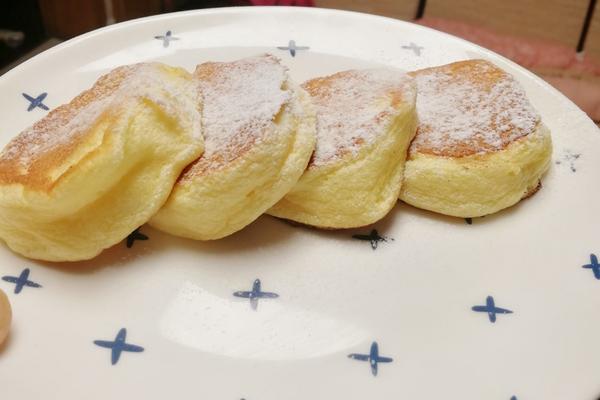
(292, 48)
(255, 294)
(593, 265)
(166, 38)
(21, 281)
(36, 102)
(491, 309)
(133, 236)
(373, 358)
(570, 158)
(374, 237)
(416, 49)
(118, 346)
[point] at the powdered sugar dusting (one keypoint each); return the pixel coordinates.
(470, 107)
(240, 100)
(354, 108)
(67, 124)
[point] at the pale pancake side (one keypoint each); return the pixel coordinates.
(365, 122)
(136, 144)
(480, 146)
(260, 133)
(478, 184)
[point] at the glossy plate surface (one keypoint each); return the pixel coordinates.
(387, 315)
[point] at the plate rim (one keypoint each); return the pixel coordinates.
(250, 10)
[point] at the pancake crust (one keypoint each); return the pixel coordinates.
(91, 171)
(365, 122)
(480, 146)
(259, 130)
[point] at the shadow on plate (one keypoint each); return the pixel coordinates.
(116, 256)
(402, 207)
(265, 231)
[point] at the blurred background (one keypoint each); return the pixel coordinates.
(557, 39)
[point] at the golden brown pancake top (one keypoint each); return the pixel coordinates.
(469, 107)
(31, 157)
(240, 103)
(47, 144)
(354, 108)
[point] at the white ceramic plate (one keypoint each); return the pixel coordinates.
(413, 295)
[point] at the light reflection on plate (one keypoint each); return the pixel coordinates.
(229, 327)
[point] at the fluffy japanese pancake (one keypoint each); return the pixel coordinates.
(259, 130)
(5, 316)
(365, 122)
(480, 146)
(91, 171)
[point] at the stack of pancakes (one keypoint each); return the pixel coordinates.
(203, 155)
